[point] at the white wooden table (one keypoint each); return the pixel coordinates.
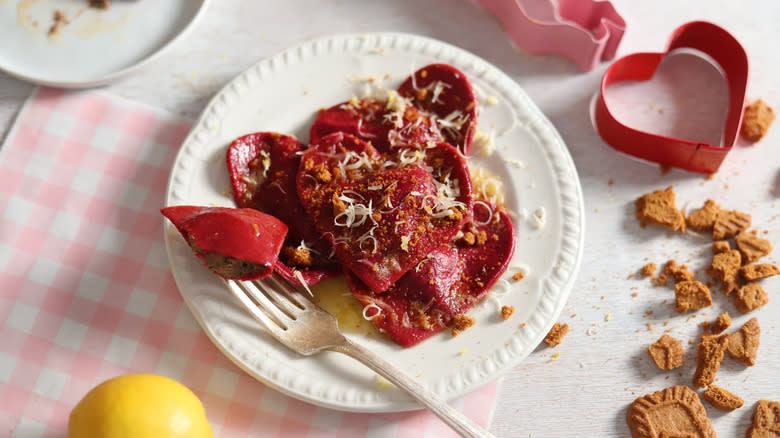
(603, 364)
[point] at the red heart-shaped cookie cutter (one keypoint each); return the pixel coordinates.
(709, 39)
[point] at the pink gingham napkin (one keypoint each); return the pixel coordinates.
(85, 289)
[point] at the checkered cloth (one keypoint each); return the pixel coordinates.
(86, 289)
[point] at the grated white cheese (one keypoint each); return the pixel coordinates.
(369, 307)
(307, 247)
(490, 213)
(517, 163)
(453, 122)
(487, 187)
(484, 142)
(539, 217)
(438, 87)
(444, 201)
(299, 276)
(355, 214)
(361, 133)
(266, 162)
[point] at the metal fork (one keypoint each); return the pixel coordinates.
(300, 324)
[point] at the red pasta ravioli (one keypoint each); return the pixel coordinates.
(383, 214)
(239, 243)
(263, 168)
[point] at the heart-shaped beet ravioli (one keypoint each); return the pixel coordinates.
(383, 214)
(240, 243)
(444, 91)
(386, 125)
(263, 168)
(446, 283)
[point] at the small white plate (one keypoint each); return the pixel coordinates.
(283, 94)
(96, 46)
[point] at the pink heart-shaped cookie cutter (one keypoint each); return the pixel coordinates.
(585, 31)
(708, 39)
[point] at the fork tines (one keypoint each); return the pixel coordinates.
(273, 301)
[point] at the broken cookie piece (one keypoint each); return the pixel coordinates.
(752, 247)
(743, 344)
(722, 322)
(750, 297)
(720, 246)
(657, 208)
(674, 412)
(556, 334)
(296, 256)
(758, 271)
(461, 322)
(680, 273)
(704, 218)
(725, 265)
(667, 352)
(507, 311)
(691, 295)
(722, 399)
(729, 223)
(757, 119)
(648, 270)
(766, 420)
(708, 357)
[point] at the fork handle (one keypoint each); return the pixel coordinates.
(454, 418)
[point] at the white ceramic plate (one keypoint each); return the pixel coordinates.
(96, 46)
(283, 94)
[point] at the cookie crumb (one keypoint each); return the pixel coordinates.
(648, 269)
(756, 120)
(556, 334)
(679, 273)
(667, 352)
(472, 238)
(722, 322)
(722, 399)
(507, 311)
(461, 322)
(297, 256)
(339, 206)
(657, 208)
(720, 246)
(322, 174)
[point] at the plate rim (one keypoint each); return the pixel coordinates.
(217, 102)
(112, 76)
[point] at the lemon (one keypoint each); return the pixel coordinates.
(139, 406)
